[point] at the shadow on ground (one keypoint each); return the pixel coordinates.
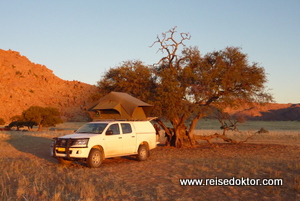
(37, 146)
(40, 147)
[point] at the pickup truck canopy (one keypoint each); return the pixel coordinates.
(118, 105)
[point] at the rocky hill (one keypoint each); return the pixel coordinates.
(24, 84)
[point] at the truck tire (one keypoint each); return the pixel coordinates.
(95, 158)
(143, 153)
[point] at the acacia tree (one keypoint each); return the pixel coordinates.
(191, 84)
(225, 78)
(42, 116)
(185, 86)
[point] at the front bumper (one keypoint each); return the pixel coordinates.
(64, 148)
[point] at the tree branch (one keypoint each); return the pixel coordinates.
(170, 45)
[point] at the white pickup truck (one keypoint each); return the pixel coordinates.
(96, 141)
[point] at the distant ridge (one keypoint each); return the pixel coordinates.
(269, 112)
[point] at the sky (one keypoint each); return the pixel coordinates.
(81, 40)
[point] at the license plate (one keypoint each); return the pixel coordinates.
(61, 149)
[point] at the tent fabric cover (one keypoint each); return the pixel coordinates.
(119, 105)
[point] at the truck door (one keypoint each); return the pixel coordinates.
(113, 140)
(129, 138)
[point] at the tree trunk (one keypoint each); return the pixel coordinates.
(176, 136)
(191, 132)
(179, 134)
(168, 132)
(192, 128)
(40, 128)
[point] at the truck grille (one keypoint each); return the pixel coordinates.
(61, 142)
(65, 142)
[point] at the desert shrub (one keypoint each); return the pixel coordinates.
(21, 124)
(262, 130)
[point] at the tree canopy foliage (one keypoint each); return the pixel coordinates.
(132, 77)
(41, 116)
(186, 86)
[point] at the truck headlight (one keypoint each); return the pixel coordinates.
(80, 142)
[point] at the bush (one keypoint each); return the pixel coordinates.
(21, 124)
(43, 116)
(263, 130)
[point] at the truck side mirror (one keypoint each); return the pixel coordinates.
(109, 132)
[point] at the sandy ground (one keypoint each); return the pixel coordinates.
(158, 178)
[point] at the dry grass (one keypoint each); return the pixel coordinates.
(29, 173)
(287, 137)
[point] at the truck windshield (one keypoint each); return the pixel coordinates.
(92, 128)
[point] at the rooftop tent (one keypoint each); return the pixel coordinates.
(118, 105)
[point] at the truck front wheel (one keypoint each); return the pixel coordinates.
(95, 158)
(143, 153)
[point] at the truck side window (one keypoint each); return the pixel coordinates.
(126, 128)
(115, 129)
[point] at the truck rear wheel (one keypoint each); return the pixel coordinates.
(143, 153)
(95, 158)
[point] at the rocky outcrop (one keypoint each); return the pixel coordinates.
(24, 84)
